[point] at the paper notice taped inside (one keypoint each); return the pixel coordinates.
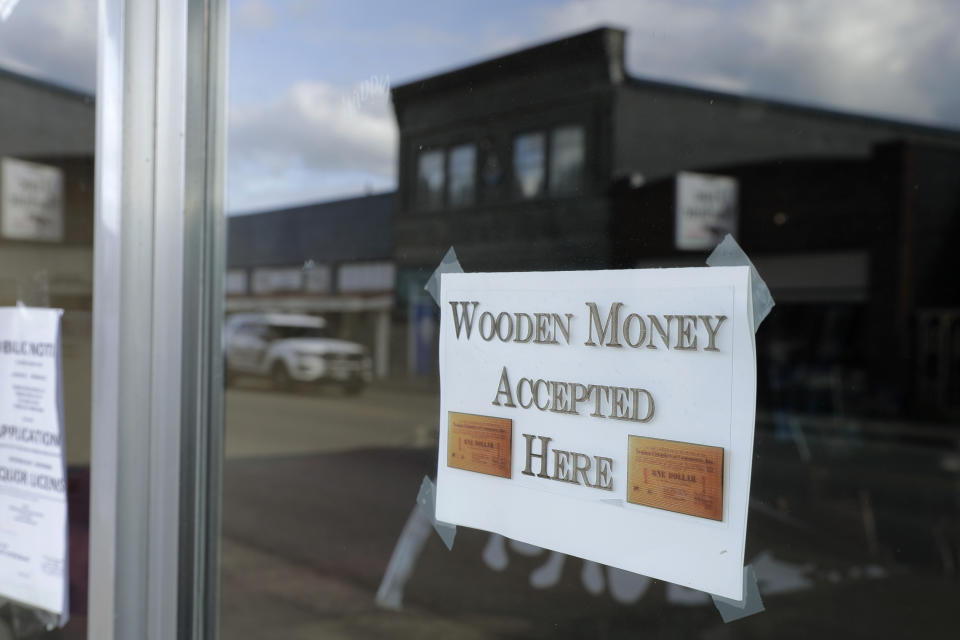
(592, 378)
(33, 505)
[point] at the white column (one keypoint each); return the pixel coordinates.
(157, 311)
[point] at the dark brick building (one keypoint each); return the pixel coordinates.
(555, 158)
(569, 112)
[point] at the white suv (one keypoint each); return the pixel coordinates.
(291, 348)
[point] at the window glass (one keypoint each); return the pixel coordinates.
(528, 164)
(316, 278)
(430, 179)
(236, 282)
(463, 160)
(355, 130)
(272, 280)
(368, 278)
(566, 160)
(286, 332)
(491, 170)
(48, 72)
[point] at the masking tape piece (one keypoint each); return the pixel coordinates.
(729, 254)
(752, 603)
(409, 546)
(427, 496)
(449, 264)
(427, 500)
(26, 620)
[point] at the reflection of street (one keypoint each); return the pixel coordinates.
(261, 422)
(318, 488)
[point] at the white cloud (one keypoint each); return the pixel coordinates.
(317, 125)
(250, 188)
(55, 40)
(316, 135)
(883, 57)
(876, 56)
(895, 57)
(7, 7)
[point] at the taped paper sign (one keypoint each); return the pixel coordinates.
(31, 201)
(607, 415)
(706, 210)
(33, 492)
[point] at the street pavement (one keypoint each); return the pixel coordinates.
(262, 423)
(850, 537)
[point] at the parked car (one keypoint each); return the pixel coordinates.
(293, 349)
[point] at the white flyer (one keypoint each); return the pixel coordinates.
(31, 201)
(706, 210)
(33, 491)
(608, 415)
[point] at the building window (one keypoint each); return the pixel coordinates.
(371, 277)
(236, 282)
(566, 160)
(528, 164)
(316, 278)
(462, 187)
(268, 280)
(430, 179)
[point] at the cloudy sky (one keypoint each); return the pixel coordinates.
(309, 111)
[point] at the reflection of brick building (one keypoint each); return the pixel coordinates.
(554, 158)
(855, 250)
(47, 132)
(511, 159)
(333, 259)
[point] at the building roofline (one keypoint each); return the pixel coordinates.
(47, 84)
(492, 66)
(308, 205)
(806, 109)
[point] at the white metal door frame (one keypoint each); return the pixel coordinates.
(158, 265)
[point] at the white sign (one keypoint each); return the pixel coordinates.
(366, 277)
(317, 278)
(268, 280)
(236, 282)
(33, 491)
(31, 201)
(706, 210)
(607, 415)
